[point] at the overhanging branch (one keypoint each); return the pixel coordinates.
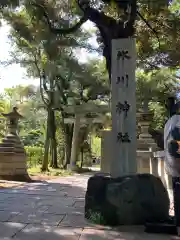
(150, 27)
(61, 30)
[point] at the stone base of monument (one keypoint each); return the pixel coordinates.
(13, 167)
(128, 200)
(17, 178)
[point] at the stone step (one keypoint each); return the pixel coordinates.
(11, 141)
(143, 153)
(142, 145)
(11, 145)
(146, 140)
(11, 155)
(15, 138)
(12, 136)
(142, 148)
(11, 149)
(7, 149)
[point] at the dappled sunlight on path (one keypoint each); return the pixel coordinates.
(54, 209)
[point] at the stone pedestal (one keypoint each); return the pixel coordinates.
(127, 200)
(12, 153)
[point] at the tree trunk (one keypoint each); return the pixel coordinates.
(46, 148)
(46, 154)
(54, 154)
(67, 130)
(82, 157)
(50, 153)
(54, 163)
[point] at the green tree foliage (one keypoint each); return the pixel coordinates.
(51, 58)
(45, 41)
(113, 20)
(28, 108)
(160, 49)
(156, 85)
(153, 89)
(33, 138)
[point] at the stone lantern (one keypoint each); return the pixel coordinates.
(146, 146)
(144, 120)
(12, 153)
(12, 118)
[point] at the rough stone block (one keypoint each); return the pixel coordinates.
(128, 200)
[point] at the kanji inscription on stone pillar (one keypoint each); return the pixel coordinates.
(123, 87)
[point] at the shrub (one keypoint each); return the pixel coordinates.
(96, 146)
(34, 155)
(32, 138)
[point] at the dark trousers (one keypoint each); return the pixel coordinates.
(176, 195)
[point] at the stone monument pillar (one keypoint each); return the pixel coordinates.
(123, 161)
(106, 151)
(12, 153)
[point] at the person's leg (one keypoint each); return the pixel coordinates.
(176, 196)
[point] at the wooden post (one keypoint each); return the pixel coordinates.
(123, 107)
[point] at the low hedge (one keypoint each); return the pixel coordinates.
(34, 155)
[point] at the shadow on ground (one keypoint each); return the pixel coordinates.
(55, 210)
(38, 232)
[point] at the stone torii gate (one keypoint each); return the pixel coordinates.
(80, 111)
